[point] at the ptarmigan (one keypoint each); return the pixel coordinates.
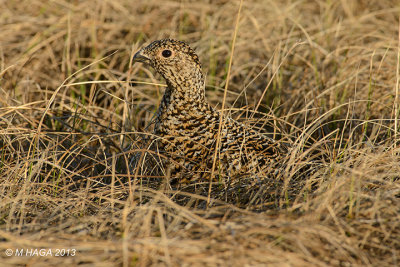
(187, 126)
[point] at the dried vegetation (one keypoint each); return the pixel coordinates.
(326, 72)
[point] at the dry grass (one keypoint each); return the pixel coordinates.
(324, 71)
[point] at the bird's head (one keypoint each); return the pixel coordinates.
(175, 61)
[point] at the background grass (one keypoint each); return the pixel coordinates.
(325, 72)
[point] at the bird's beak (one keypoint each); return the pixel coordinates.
(139, 57)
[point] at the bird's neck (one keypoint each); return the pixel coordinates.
(185, 91)
(188, 99)
(185, 99)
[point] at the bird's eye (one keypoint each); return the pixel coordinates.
(166, 53)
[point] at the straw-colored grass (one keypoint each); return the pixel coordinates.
(73, 111)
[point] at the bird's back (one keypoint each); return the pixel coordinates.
(189, 136)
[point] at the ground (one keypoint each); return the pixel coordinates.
(74, 110)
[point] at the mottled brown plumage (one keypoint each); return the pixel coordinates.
(188, 126)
